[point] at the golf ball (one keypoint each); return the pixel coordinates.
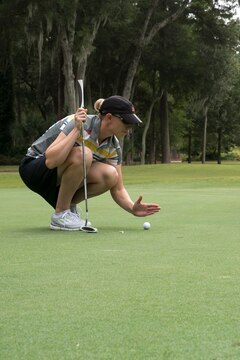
(146, 225)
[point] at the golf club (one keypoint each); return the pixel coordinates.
(86, 227)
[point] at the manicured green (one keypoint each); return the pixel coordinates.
(171, 292)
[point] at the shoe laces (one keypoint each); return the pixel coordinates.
(70, 215)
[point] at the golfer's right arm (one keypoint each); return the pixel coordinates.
(58, 151)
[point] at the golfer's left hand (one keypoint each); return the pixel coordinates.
(80, 117)
(141, 209)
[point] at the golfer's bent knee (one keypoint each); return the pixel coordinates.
(110, 176)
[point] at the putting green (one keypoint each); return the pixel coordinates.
(171, 292)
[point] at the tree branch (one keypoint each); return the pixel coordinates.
(157, 27)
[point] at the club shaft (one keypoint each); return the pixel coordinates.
(84, 177)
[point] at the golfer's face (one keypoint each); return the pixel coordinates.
(120, 129)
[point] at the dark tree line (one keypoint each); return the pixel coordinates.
(177, 61)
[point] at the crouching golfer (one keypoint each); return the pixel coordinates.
(53, 165)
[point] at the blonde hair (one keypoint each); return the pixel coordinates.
(98, 104)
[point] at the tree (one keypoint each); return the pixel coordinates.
(48, 48)
(216, 40)
(146, 127)
(151, 27)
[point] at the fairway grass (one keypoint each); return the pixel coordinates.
(171, 292)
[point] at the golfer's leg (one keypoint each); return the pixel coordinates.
(100, 178)
(70, 175)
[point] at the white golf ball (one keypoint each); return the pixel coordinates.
(146, 225)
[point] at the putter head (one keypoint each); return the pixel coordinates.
(89, 229)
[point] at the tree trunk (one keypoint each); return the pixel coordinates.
(153, 148)
(205, 118)
(219, 160)
(60, 88)
(144, 135)
(131, 73)
(87, 48)
(189, 145)
(164, 128)
(153, 144)
(69, 90)
(6, 96)
(67, 35)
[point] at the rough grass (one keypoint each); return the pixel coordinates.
(171, 292)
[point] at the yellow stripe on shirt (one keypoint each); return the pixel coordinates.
(99, 151)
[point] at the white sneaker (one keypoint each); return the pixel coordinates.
(66, 221)
(75, 210)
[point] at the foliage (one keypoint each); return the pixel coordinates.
(232, 154)
(193, 56)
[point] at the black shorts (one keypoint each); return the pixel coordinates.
(39, 178)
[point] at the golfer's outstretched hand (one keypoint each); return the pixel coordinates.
(141, 209)
(80, 117)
